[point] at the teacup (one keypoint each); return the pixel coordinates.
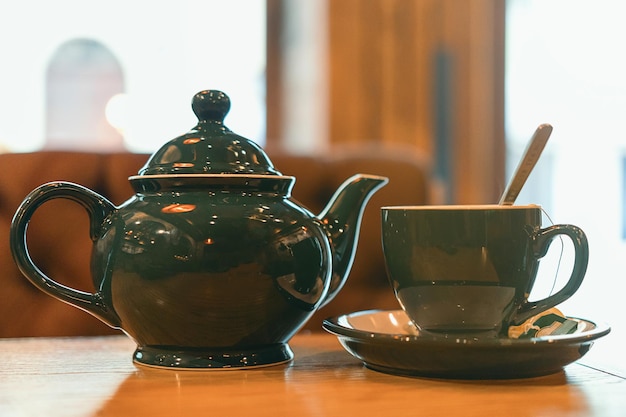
(470, 269)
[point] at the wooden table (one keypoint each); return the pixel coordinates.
(95, 377)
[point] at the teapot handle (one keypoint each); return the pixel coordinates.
(98, 208)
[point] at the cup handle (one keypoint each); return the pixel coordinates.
(98, 209)
(541, 242)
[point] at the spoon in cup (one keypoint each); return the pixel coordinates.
(526, 164)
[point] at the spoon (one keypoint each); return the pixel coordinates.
(526, 164)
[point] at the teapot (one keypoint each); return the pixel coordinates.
(211, 264)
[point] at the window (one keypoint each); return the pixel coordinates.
(164, 53)
(83, 80)
(566, 66)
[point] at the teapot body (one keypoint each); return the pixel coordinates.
(210, 264)
(211, 269)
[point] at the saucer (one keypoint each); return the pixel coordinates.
(387, 341)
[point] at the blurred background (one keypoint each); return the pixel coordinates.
(463, 83)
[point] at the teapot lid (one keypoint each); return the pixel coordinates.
(210, 147)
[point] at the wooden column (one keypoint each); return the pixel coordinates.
(423, 75)
(426, 74)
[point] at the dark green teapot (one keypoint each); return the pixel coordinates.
(210, 264)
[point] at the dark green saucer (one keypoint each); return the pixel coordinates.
(387, 341)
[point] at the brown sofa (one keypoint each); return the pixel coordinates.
(59, 242)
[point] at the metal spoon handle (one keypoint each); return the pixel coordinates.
(526, 164)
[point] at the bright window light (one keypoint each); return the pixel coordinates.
(166, 51)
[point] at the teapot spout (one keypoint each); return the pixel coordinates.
(341, 220)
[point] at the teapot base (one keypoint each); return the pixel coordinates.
(174, 357)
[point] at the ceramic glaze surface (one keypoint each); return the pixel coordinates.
(171, 266)
(210, 264)
(464, 269)
(387, 341)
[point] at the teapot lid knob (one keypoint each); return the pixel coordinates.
(210, 105)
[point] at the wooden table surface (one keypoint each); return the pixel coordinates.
(96, 377)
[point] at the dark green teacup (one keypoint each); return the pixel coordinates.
(470, 269)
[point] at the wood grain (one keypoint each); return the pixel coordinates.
(95, 377)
